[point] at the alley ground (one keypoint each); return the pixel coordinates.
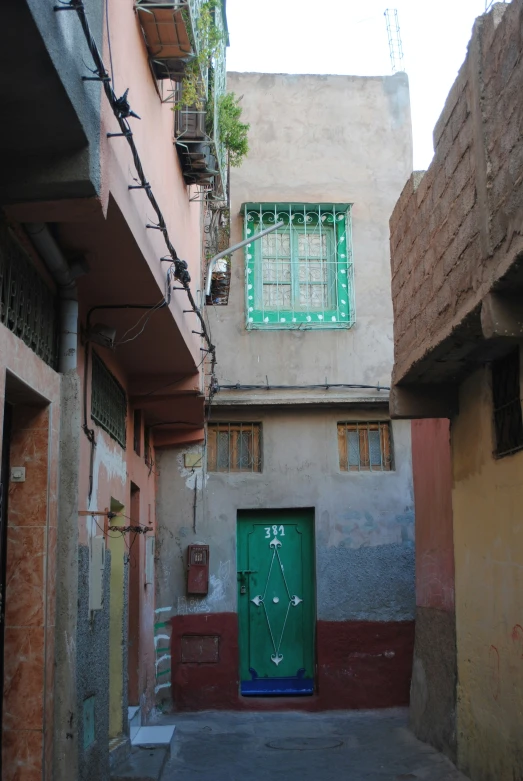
(334, 746)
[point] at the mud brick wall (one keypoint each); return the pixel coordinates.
(458, 227)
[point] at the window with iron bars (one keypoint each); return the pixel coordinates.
(234, 447)
(27, 305)
(365, 447)
(300, 275)
(108, 401)
(506, 398)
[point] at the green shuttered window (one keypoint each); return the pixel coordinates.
(300, 275)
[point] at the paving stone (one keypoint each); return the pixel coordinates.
(327, 746)
(143, 764)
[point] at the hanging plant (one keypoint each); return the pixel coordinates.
(210, 38)
(233, 133)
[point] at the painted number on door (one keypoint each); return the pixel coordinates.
(274, 530)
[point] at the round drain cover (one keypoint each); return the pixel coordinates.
(305, 744)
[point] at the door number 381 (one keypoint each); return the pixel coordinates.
(276, 530)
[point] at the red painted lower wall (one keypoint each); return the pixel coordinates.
(205, 685)
(364, 664)
(360, 664)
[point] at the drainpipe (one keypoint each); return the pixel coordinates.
(65, 277)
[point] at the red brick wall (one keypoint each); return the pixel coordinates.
(457, 228)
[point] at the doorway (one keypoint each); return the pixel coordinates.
(276, 602)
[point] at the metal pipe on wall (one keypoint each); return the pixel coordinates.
(64, 277)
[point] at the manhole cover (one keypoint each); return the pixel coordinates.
(305, 744)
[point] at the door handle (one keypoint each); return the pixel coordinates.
(247, 571)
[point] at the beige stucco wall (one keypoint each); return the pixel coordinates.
(488, 536)
(316, 139)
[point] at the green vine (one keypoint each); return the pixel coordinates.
(210, 39)
(233, 133)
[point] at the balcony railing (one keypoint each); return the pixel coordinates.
(174, 38)
(172, 35)
(197, 128)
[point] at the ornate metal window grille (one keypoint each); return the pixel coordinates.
(234, 447)
(301, 275)
(27, 305)
(108, 401)
(508, 422)
(365, 447)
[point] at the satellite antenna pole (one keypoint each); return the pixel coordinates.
(394, 35)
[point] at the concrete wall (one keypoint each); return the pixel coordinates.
(92, 671)
(62, 159)
(488, 540)
(364, 553)
(316, 139)
(433, 690)
(455, 229)
(313, 139)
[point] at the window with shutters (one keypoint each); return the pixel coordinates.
(300, 275)
(365, 447)
(234, 447)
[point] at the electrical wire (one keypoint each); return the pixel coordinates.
(146, 315)
(318, 386)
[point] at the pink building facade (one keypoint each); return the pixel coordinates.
(102, 361)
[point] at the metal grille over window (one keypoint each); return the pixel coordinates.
(108, 401)
(27, 306)
(508, 423)
(301, 275)
(365, 447)
(233, 447)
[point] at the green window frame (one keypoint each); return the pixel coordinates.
(301, 274)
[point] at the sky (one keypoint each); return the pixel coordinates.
(348, 37)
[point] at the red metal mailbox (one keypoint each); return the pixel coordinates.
(197, 569)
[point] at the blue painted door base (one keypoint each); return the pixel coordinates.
(296, 684)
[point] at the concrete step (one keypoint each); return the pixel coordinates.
(119, 749)
(160, 736)
(143, 764)
(134, 715)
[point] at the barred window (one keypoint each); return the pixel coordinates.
(365, 447)
(27, 306)
(233, 447)
(301, 274)
(108, 401)
(508, 423)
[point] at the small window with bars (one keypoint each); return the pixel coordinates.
(108, 401)
(506, 398)
(365, 447)
(234, 447)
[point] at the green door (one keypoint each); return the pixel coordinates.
(276, 602)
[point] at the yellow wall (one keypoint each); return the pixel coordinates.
(116, 647)
(488, 538)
